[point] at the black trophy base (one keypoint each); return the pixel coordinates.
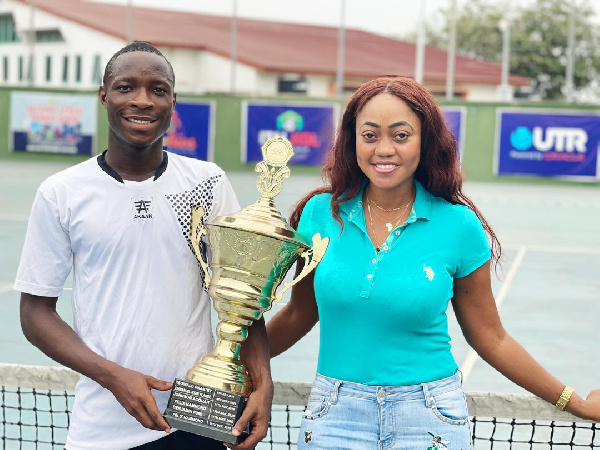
(205, 411)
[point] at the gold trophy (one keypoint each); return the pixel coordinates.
(252, 250)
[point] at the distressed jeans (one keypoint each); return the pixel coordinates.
(344, 415)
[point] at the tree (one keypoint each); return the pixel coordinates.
(538, 40)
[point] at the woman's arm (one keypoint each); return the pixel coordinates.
(296, 318)
(478, 317)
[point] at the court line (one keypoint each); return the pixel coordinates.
(14, 218)
(6, 288)
(467, 366)
(559, 249)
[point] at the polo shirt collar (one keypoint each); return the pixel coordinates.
(421, 208)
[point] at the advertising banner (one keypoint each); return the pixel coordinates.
(51, 123)
(553, 144)
(456, 121)
(309, 127)
(192, 130)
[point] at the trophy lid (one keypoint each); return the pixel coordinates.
(263, 217)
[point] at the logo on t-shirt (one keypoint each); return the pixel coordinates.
(141, 209)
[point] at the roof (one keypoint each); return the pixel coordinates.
(275, 46)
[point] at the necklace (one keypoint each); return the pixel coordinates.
(391, 224)
(381, 208)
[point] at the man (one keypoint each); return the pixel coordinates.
(141, 315)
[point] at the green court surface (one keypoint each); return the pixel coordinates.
(548, 292)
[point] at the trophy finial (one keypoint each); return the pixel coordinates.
(277, 151)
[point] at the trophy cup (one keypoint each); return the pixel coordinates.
(252, 250)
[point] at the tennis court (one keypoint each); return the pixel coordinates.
(548, 294)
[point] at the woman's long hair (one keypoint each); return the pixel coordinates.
(438, 170)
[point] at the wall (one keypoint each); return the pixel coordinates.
(477, 157)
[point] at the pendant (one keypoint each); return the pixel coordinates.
(389, 226)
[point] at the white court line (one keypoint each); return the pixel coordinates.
(13, 218)
(471, 359)
(558, 249)
(5, 288)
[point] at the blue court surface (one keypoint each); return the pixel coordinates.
(548, 292)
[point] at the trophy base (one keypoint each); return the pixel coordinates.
(205, 411)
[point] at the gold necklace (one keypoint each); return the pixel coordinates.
(390, 225)
(377, 247)
(381, 208)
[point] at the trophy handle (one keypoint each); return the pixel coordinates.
(197, 230)
(312, 257)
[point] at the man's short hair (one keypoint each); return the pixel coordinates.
(136, 46)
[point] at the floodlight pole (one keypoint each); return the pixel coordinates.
(451, 53)
(341, 49)
(420, 56)
(234, 49)
(31, 68)
(505, 90)
(569, 85)
(129, 18)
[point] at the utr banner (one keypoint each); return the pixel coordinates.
(545, 143)
(310, 127)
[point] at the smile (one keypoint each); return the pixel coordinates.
(140, 121)
(385, 166)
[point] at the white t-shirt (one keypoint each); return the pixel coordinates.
(138, 297)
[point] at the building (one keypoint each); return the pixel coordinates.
(70, 42)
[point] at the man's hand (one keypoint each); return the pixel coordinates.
(132, 390)
(258, 413)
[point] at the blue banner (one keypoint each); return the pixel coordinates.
(51, 123)
(310, 129)
(191, 131)
(548, 144)
(455, 121)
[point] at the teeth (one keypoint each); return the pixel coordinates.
(385, 166)
(139, 121)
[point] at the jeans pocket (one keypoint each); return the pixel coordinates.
(451, 407)
(317, 406)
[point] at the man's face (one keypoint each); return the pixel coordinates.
(139, 99)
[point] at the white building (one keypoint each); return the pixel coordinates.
(70, 42)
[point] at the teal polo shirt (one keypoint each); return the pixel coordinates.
(383, 315)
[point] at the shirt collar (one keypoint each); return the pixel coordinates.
(421, 207)
(113, 173)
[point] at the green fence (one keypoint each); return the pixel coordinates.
(480, 132)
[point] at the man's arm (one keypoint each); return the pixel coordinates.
(44, 328)
(256, 357)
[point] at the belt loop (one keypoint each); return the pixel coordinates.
(460, 376)
(334, 393)
(429, 402)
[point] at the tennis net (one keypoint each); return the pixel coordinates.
(35, 402)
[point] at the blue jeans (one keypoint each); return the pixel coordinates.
(344, 415)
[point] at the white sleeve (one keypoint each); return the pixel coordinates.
(47, 257)
(225, 201)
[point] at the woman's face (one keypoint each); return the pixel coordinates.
(388, 142)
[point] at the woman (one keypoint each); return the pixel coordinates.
(404, 241)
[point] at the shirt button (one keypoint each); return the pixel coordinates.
(369, 276)
(385, 247)
(374, 260)
(398, 233)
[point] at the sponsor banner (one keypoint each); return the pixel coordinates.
(51, 123)
(554, 144)
(191, 132)
(309, 127)
(456, 121)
